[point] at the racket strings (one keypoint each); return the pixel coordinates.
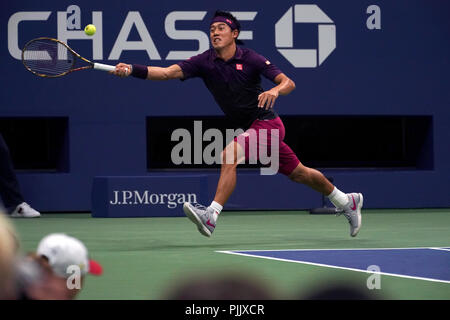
(47, 57)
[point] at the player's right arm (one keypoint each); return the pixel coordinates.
(153, 73)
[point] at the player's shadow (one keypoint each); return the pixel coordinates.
(166, 245)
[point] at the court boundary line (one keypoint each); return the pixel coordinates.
(337, 249)
(332, 266)
(442, 249)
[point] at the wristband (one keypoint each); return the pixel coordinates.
(139, 71)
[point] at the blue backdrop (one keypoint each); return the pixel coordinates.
(400, 69)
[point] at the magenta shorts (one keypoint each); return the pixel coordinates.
(288, 161)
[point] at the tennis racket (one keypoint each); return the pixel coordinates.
(51, 58)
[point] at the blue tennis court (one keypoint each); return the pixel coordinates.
(431, 264)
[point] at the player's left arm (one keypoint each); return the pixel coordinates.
(284, 86)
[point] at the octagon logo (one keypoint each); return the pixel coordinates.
(284, 36)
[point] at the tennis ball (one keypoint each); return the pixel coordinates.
(90, 30)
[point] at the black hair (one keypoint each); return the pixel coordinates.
(226, 14)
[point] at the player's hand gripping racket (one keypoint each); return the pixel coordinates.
(51, 58)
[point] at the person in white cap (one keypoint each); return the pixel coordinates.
(35, 280)
(68, 257)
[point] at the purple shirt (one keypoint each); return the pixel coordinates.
(235, 84)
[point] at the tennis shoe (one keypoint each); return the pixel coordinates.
(352, 212)
(24, 210)
(202, 216)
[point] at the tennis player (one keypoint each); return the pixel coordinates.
(232, 74)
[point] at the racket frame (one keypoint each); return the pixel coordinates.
(91, 65)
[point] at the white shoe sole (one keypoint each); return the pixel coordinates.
(358, 212)
(24, 217)
(195, 219)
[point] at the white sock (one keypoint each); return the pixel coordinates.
(338, 198)
(217, 207)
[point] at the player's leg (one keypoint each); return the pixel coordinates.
(312, 178)
(231, 157)
(206, 217)
(348, 204)
(9, 187)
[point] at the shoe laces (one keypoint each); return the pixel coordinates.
(199, 206)
(26, 205)
(342, 212)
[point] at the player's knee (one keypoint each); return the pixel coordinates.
(229, 156)
(228, 167)
(300, 174)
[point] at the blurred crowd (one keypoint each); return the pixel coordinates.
(56, 270)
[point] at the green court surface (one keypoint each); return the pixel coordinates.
(143, 258)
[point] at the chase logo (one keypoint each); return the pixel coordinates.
(284, 36)
(69, 28)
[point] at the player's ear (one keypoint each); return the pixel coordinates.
(235, 33)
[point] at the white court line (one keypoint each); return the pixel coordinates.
(353, 249)
(442, 249)
(333, 266)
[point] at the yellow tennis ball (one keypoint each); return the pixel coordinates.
(90, 30)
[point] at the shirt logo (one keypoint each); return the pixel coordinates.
(238, 66)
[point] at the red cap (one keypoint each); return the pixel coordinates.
(95, 268)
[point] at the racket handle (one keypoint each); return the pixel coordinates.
(104, 67)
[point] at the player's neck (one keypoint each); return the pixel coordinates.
(226, 53)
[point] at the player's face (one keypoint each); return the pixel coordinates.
(221, 35)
